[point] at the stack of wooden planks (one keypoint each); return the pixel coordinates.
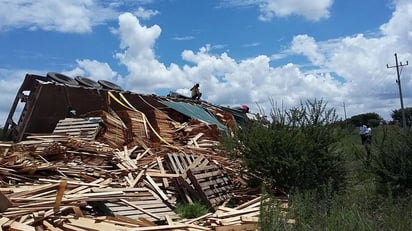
(136, 124)
(114, 131)
(162, 124)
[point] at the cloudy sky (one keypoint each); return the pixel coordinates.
(240, 51)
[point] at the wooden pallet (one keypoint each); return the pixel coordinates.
(146, 204)
(212, 183)
(77, 127)
(179, 162)
(200, 179)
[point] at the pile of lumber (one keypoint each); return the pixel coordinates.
(88, 175)
(136, 124)
(162, 124)
(114, 131)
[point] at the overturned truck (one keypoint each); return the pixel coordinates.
(44, 100)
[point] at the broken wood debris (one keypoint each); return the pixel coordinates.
(94, 174)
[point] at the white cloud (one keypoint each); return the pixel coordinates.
(361, 62)
(93, 69)
(311, 10)
(146, 73)
(77, 16)
(222, 79)
(364, 83)
(145, 14)
(400, 24)
(303, 44)
(184, 38)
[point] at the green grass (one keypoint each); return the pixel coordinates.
(194, 210)
(359, 207)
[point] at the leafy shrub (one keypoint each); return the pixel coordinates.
(296, 151)
(194, 210)
(391, 161)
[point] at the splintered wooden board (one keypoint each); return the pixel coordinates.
(147, 201)
(77, 127)
(212, 183)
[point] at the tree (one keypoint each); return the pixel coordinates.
(372, 119)
(397, 115)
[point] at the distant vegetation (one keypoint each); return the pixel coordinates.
(333, 182)
(372, 119)
(397, 115)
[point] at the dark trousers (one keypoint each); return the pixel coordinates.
(197, 96)
(363, 138)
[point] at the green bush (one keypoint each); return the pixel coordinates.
(296, 151)
(390, 161)
(194, 210)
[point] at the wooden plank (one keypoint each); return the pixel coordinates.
(140, 156)
(183, 160)
(50, 226)
(80, 188)
(162, 170)
(59, 197)
(201, 194)
(197, 161)
(90, 224)
(172, 163)
(69, 227)
(154, 204)
(77, 211)
(178, 164)
(35, 189)
(136, 179)
(171, 227)
(215, 173)
(140, 209)
(7, 224)
(248, 203)
(70, 182)
(5, 203)
(237, 213)
(163, 175)
(122, 220)
(249, 219)
(198, 218)
(156, 187)
(242, 227)
(3, 220)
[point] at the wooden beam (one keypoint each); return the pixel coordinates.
(59, 197)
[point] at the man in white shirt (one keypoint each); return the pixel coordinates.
(363, 130)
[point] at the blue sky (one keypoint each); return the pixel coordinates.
(240, 51)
